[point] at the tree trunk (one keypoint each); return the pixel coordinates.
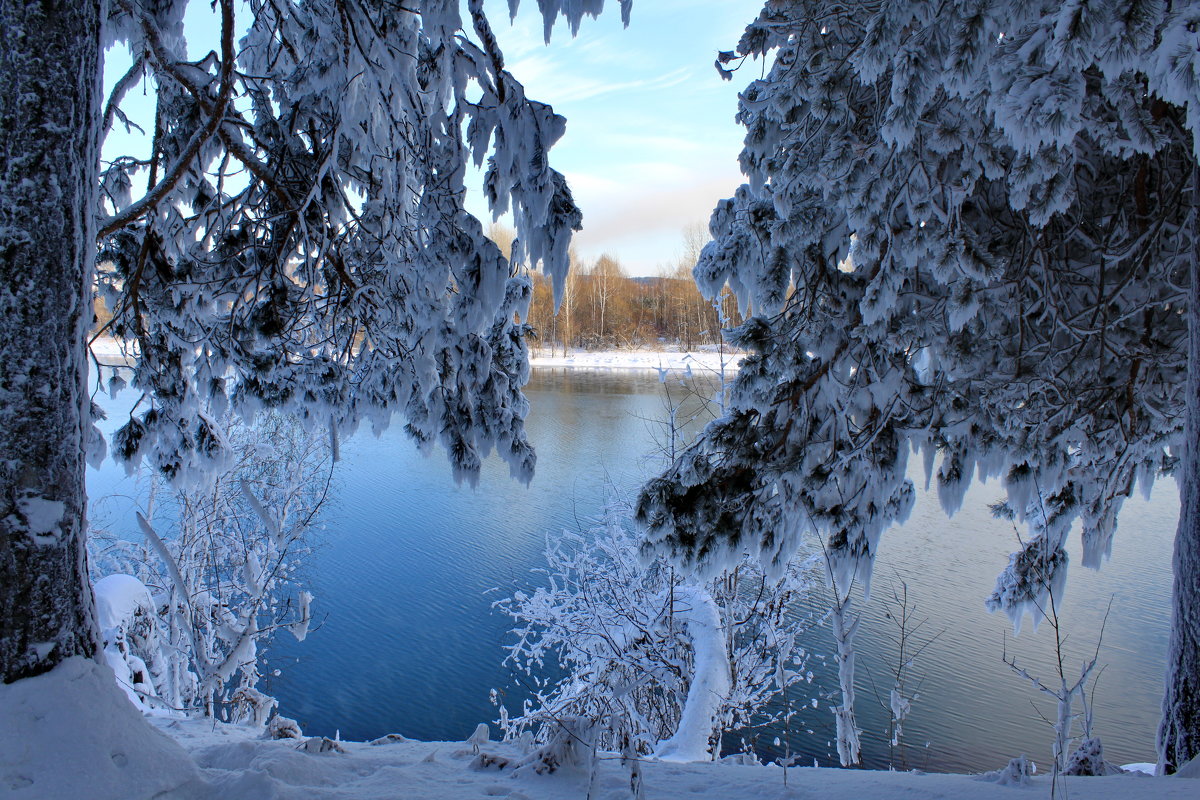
(49, 161)
(1179, 733)
(844, 630)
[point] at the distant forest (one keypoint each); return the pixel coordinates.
(604, 308)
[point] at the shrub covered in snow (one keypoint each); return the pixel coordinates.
(679, 660)
(193, 598)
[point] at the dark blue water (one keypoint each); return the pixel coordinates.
(408, 565)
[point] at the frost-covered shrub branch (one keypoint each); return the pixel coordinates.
(682, 660)
(215, 576)
(910, 643)
(1042, 575)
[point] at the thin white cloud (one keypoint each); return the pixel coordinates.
(651, 144)
(549, 78)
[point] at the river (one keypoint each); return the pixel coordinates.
(407, 565)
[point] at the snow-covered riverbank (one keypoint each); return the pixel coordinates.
(109, 352)
(452, 771)
(696, 361)
(73, 734)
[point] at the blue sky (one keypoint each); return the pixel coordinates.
(651, 143)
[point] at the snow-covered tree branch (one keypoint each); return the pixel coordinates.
(300, 244)
(967, 232)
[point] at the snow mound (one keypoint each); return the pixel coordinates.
(71, 733)
(1189, 770)
(1140, 767)
(118, 598)
(1019, 772)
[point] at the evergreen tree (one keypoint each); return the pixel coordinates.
(968, 230)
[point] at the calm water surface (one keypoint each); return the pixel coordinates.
(408, 565)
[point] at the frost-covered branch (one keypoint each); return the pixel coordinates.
(186, 158)
(304, 244)
(223, 575)
(683, 661)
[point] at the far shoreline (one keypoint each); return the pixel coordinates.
(109, 352)
(706, 361)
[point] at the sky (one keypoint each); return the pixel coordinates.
(651, 142)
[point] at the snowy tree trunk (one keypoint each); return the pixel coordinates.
(699, 733)
(1179, 733)
(844, 630)
(1062, 728)
(49, 113)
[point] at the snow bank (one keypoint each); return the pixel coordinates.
(110, 352)
(238, 765)
(1191, 769)
(696, 362)
(71, 733)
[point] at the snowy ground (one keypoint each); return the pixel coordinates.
(73, 734)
